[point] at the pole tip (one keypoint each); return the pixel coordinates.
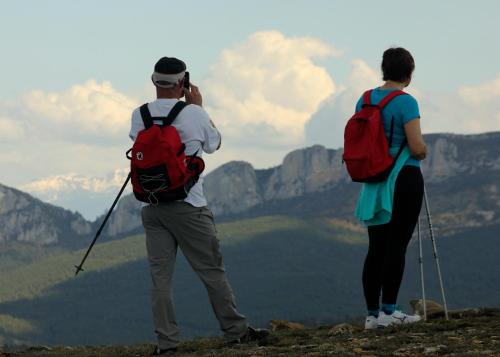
(78, 269)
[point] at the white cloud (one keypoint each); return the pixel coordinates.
(472, 109)
(482, 94)
(11, 130)
(263, 90)
(326, 126)
(266, 94)
(84, 112)
(82, 129)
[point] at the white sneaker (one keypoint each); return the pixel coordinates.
(371, 323)
(396, 318)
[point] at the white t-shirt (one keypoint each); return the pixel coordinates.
(196, 130)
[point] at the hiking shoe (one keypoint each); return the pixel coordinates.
(252, 334)
(396, 318)
(371, 323)
(165, 352)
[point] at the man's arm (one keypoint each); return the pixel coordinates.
(212, 139)
(136, 124)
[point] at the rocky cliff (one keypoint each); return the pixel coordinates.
(462, 173)
(317, 169)
(27, 219)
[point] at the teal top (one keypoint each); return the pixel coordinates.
(403, 108)
(375, 199)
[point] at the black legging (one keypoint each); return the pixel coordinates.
(385, 261)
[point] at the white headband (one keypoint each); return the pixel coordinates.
(170, 80)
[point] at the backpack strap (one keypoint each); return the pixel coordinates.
(367, 97)
(148, 119)
(174, 112)
(146, 116)
(389, 97)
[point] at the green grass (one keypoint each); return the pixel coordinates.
(239, 231)
(327, 228)
(14, 325)
(15, 254)
(31, 279)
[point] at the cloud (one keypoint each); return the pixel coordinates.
(267, 94)
(85, 112)
(471, 109)
(483, 94)
(10, 130)
(81, 129)
(263, 90)
(481, 106)
(326, 126)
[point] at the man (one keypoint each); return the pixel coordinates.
(188, 223)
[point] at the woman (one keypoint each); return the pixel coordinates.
(385, 261)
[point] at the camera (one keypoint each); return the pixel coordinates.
(186, 80)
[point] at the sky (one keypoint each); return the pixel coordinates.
(275, 76)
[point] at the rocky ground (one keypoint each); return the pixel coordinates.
(474, 333)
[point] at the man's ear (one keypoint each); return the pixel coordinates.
(180, 87)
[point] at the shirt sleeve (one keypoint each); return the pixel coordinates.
(211, 138)
(137, 124)
(410, 109)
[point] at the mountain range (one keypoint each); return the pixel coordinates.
(462, 173)
(292, 248)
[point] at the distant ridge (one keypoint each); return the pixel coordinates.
(462, 173)
(24, 218)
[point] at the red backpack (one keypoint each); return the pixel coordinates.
(366, 150)
(160, 169)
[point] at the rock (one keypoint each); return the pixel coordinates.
(237, 187)
(24, 218)
(39, 348)
(126, 217)
(433, 349)
(463, 169)
(232, 188)
(304, 171)
(279, 325)
(433, 308)
(342, 329)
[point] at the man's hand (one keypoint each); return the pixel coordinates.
(193, 95)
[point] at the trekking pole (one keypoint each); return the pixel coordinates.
(421, 262)
(431, 231)
(79, 267)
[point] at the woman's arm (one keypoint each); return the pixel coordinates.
(416, 142)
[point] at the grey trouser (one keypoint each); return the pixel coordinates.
(192, 229)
